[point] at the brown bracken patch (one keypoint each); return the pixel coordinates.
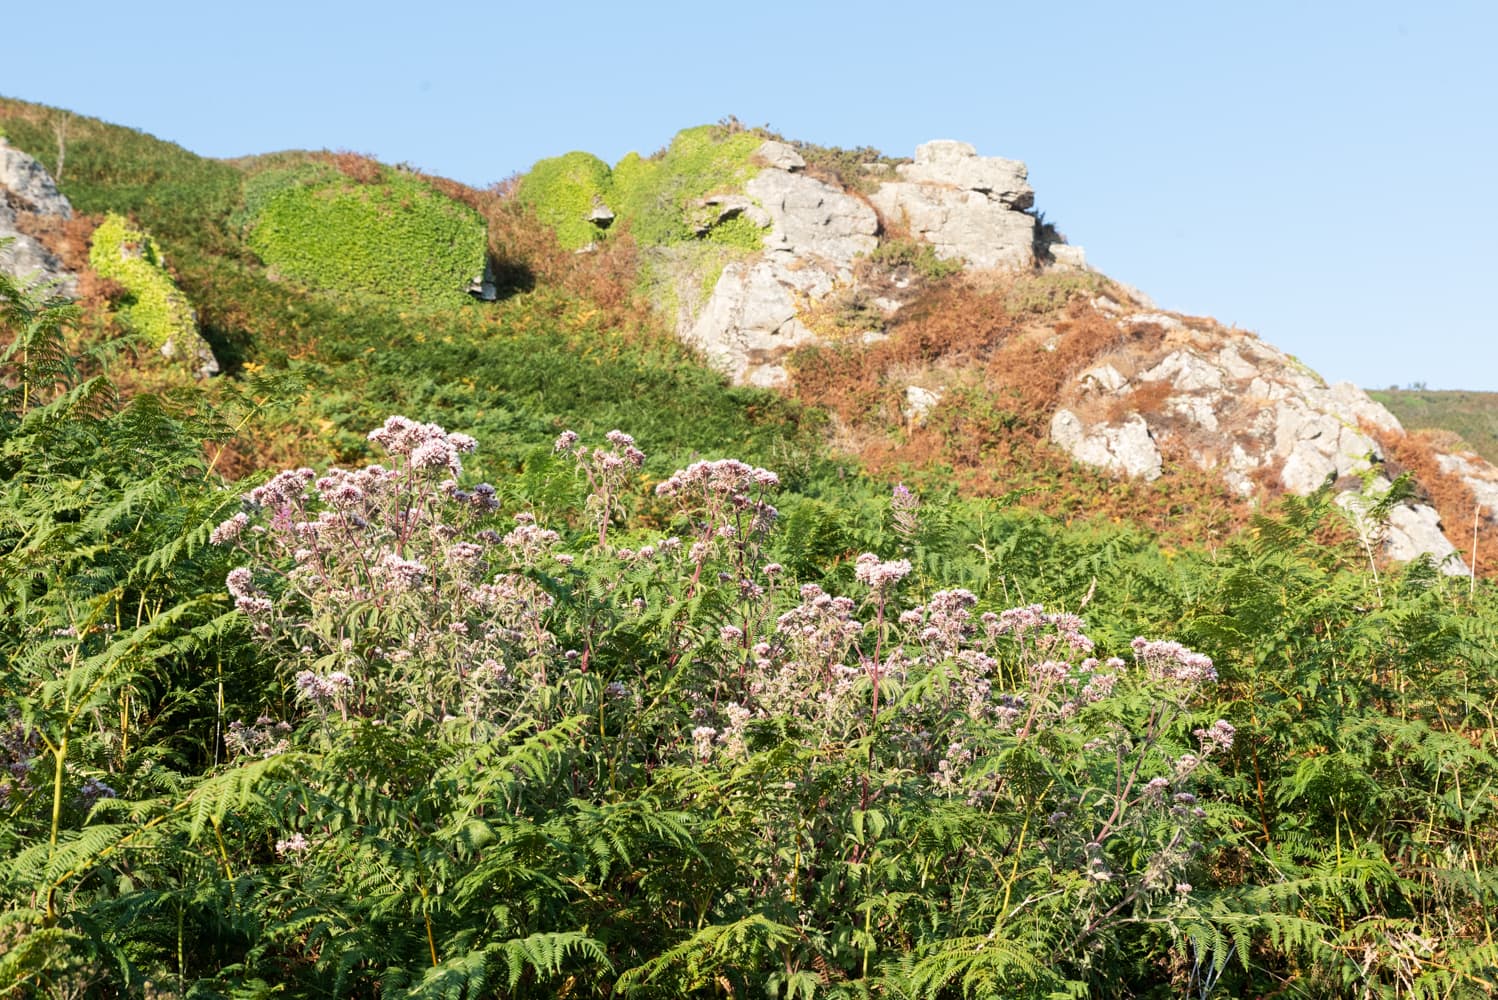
(1006, 351)
(1415, 452)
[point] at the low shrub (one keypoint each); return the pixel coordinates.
(395, 240)
(154, 306)
(654, 194)
(562, 191)
(918, 256)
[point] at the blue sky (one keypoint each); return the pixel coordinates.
(1319, 173)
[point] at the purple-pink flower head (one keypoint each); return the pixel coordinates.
(427, 446)
(1170, 661)
(284, 488)
(403, 573)
(880, 576)
(240, 581)
(229, 530)
(1218, 736)
(564, 441)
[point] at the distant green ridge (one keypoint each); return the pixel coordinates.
(1472, 415)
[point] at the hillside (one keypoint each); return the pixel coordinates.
(752, 569)
(1471, 416)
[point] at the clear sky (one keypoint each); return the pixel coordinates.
(1322, 173)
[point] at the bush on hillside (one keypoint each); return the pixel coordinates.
(654, 196)
(397, 239)
(562, 191)
(154, 306)
(262, 187)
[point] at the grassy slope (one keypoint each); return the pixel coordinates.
(1472, 415)
(512, 374)
(516, 373)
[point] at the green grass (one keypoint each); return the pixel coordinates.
(1472, 415)
(172, 192)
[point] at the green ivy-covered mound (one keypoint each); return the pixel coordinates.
(154, 306)
(563, 191)
(655, 196)
(397, 239)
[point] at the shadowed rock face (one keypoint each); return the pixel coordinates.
(25, 186)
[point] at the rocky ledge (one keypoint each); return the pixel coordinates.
(25, 186)
(969, 208)
(1231, 402)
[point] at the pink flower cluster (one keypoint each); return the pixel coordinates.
(1216, 737)
(283, 490)
(879, 576)
(728, 492)
(424, 446)
(1170, 661)
(1054, 628)
(321, 690)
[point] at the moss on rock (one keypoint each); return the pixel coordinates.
(155, 308)
(563, 191)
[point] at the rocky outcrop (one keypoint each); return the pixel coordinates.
(968, 207)
(751, 321)
(1126, 448)
(813, 234)
(813, 220)
(1232, 402)
(25, 186)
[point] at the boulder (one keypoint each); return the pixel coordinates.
(25, 186)
(961, 225)
(968, 207)
(919, 402)
(1103, 378)
(25, 259)
(779, 155)
(1186, 371)
(1067, 258)
(945, 162)
(1411, 530)
(750, 323)
(1127, 448)
(1414, 530)
(811, 217)
(1479, 476)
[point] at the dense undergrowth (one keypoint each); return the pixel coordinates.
(647, 718)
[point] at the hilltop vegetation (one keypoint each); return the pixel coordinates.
(1471, 416)
(593, 676)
